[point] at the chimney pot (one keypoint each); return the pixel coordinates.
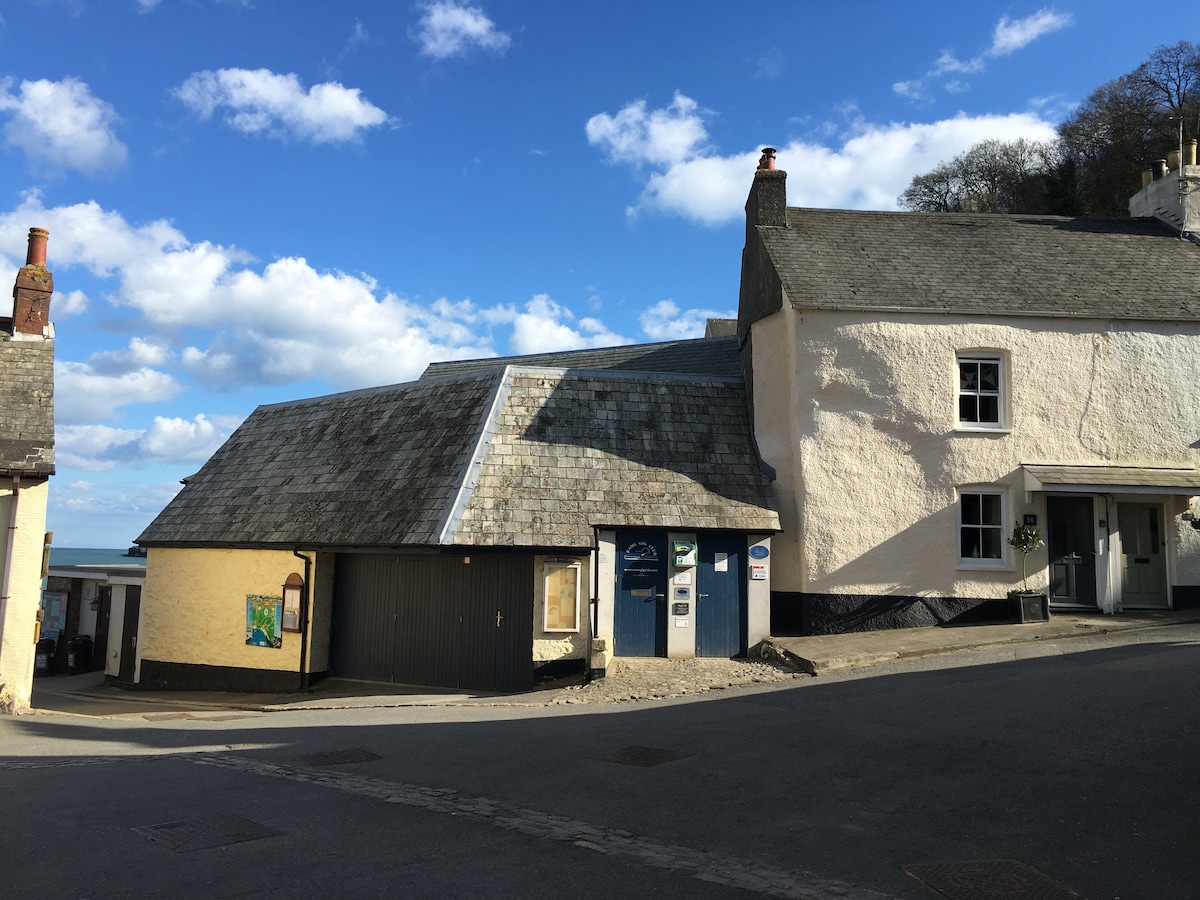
(36, 254)
(1189, 152)
(1160, 169)
(767, 160)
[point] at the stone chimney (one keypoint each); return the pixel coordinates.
(34, 285)
(767, 203)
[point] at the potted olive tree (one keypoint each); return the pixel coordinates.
(1026, 605)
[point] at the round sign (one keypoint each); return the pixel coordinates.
(758, 551)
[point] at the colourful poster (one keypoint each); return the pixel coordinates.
(264, 621)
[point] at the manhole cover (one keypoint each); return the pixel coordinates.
(214, 831)
(339, 757)
(166, 717)
(989, 879)
(640, 756)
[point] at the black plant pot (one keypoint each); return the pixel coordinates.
(1028, 606)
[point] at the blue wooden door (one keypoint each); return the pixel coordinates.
(721, 596)
(640, 613)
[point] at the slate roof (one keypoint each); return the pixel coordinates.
(510, 457)
(375, 467)
(26, 404)
(978, 264)
(578, 449)
(699, 356)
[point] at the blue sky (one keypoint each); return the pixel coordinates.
(251, 202)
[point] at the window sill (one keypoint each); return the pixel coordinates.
(985, 565)
(982, 429)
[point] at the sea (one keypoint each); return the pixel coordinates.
(93, 556)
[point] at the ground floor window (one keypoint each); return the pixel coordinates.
(981, 520)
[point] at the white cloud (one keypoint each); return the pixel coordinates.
(1009, 36)
(449, 29)
(141, 353)
(146, 6)
(671, 135)
(665, 322)
(771, 64)
(168, 440)
(866, 168)
(544, 326)
(1012, 35)
(82, 394)
(70, 303)
(258, 101)
(61, 125)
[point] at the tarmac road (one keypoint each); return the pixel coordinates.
(1075, 761)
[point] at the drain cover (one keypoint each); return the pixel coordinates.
(989, 879)
(640, 756)
(339, 757)
(214, 831)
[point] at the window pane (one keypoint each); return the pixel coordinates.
(968, 376)
(989, 409)
(968, 408)
(991, 543)
(991, 509)
(989, 376)
(971, 514)
(969, 543)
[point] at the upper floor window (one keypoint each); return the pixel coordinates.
(980, 390)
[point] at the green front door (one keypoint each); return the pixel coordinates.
(1143, 561)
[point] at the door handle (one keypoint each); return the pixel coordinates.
(499, 618)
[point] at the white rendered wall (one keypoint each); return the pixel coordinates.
(869, 458)
(17, 647)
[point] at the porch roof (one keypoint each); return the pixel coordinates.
(1111, 480)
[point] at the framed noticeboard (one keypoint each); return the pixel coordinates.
(561, 607)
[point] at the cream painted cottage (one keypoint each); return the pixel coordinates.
(900, 390)
(923, 382)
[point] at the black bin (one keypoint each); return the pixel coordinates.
(79, 655)
(43, 657)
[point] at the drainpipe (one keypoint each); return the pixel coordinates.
(304, 619)
(8, 553)
(594, 603)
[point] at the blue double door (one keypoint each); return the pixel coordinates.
(643, 595)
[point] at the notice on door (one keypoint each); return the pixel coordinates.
(720, 562)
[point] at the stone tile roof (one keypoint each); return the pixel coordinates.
(1112, 479)
(26, 404)
(978, 264)
(376, 467)
(700, 356)
(515, 457)
(573, 450)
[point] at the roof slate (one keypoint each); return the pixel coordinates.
(700, 356)
(576, 449)
(26, 404)
(978, 264)
(515, 457)
(373, 468)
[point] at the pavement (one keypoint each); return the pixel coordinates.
(776, 659)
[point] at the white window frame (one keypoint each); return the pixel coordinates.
(1001, 527)
(1001, 392)
(546, 569)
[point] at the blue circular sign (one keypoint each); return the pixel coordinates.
(758, 551)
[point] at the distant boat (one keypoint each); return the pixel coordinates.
(139, 552)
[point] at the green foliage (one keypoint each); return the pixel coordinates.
(1026, 538)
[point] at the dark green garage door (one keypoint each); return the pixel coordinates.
(435, 620)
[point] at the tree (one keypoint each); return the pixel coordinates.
(992, 176)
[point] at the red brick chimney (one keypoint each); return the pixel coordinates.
(34, 285)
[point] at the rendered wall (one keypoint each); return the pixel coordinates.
(194, 608)
(869, 457)
(17, 647)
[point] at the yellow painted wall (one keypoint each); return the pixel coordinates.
(194, 607)
(24, 586)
